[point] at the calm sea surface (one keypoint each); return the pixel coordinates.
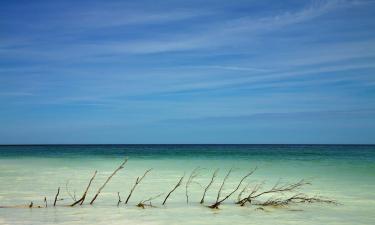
(345, 173)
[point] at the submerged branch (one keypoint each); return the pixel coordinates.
(137, 181)
(148, 202)
(175, 187)
(192, 176)
(56, 196)
(209, 185)
(82, 199)
(218, 202)
(108, 179)
(277, 188)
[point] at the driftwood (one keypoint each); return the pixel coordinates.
(137, 181)
(108, 179)
(209, 185)
(218, 200)
(82, 199)
(282, 194)
(277, 188)
(298, 198)
(192, 176)
(56, 196)
(147, 203)
(175, 187)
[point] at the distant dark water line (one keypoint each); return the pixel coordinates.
(230, 151)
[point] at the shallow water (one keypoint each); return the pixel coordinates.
(29, 173)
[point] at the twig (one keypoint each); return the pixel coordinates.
(143, 203)
(82, 199)
(192, 176)
(175, 187)
(209, 185)
(137, 181)
(119, 199)
(57, 194)
(101, 188)
(73, 197)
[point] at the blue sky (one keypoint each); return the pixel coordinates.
(187, 71)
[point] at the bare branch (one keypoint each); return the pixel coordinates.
(57, 195)
(147, 202)
(175, 187)
(218, 202)
(190, 181)
(108, 179)
(209, 185)
(137, 181)
(298, 198)
(277, 188)
(119, 199)
(82, 199)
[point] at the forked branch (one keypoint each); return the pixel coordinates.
(277, 188)
(82, 199)
(137, 181)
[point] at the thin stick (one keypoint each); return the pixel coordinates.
(222, 184)
(73, 197)
(175, 187)
(119, 199)
(143, 203)
(82, 199)
(192, 176)
(109, 178)
(209, 185)
(137, 181)
(57, 195)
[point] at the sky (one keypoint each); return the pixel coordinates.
(141, 72)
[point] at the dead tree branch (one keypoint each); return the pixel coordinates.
(218, 202)
(82, 199)
(56, 196)
(144, 203)
(137, 181)
(298, 198)
(175, 187)
(108, 179)
(277, 188)
(209, 185)
(192, 176)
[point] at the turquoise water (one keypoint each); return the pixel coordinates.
(29, 173)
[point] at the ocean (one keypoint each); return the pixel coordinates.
(30, 173)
